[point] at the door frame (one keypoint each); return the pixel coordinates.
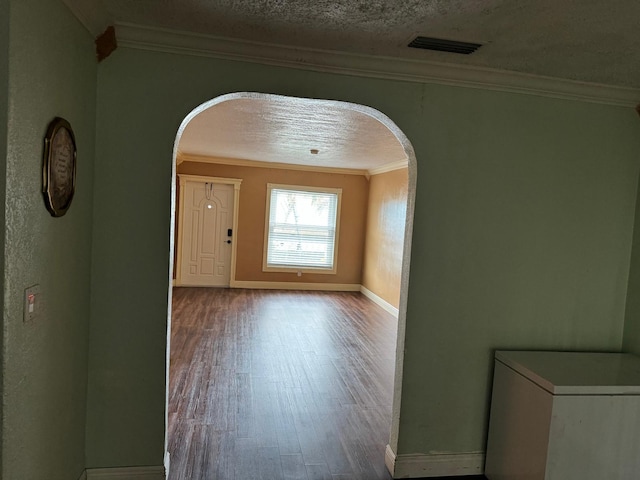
(392, 446)
(183, 178)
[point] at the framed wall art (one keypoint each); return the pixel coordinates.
(59, 167)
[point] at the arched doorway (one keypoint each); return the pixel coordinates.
(306, 108)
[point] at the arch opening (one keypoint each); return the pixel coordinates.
(402, 142)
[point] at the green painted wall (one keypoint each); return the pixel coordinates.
(523, 243)
(52, 72)
(4, 95)
(632, 321)
(522, 236)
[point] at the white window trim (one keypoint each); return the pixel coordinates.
(305, 188)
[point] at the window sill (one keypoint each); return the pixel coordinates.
(289, 269)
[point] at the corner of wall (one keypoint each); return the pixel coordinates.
(4, 107)
(631, 327)
(44, 367)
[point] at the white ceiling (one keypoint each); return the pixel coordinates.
(582, 40)
(273, 128)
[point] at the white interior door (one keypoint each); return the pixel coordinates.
(206, 234)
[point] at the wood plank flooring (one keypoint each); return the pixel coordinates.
(279, 385)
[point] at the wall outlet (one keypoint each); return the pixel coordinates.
(32, 303)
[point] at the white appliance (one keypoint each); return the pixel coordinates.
(564, 416)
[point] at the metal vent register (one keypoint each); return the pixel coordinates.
(441, 45)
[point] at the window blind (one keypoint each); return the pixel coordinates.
(302, 228)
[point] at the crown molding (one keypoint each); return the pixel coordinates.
(390, 167)
(186, 157)
(188, 43)
(91, 14)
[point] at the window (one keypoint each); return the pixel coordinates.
(301, 228)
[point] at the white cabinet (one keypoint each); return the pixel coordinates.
(564, 416)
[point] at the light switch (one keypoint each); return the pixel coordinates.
(32, 300)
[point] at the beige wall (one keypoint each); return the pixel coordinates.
(384, 235)
(251, 219)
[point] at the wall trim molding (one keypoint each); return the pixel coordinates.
(422, 465)
(389, 167)
(390, 459)
(379, 301)
(390, 68)
(167, 462)
(327, 287)
(94, 17)
(127, 473)
(189, 157)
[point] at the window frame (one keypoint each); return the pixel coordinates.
(301, 269)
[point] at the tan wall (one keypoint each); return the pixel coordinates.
(251, 219)
(386, 216)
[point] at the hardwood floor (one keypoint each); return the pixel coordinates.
(279, 385)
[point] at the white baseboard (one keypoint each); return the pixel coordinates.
(379, 301)
(167, 462)
(418, 465)
(127, 473)
(332, 287)
(390, 459)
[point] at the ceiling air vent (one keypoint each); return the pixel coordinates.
(451, 46)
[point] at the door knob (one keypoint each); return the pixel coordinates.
(228, 241)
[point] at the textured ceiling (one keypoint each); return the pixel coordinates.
(587, 40)
(280, 129)
(584, 40)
